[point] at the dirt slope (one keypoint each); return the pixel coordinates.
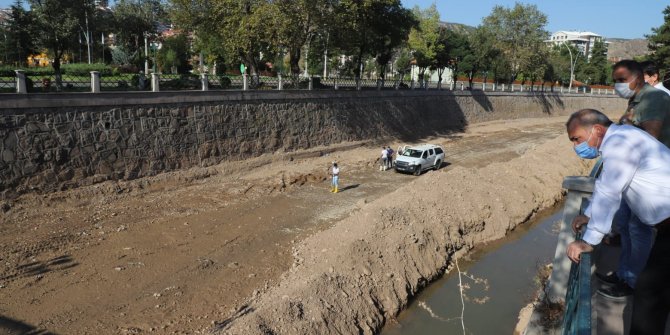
(359, 274)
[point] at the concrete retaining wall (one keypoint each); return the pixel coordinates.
(52, 142)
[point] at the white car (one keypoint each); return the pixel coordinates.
(416, 159)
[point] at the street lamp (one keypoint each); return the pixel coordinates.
(154, 49)
(572, 65)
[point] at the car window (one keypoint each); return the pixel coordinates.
(412, 153)
(438, 151)
(425, 154)
(432, 152)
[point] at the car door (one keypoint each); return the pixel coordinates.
(431, 157)
(424, 160)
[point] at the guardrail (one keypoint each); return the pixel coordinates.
(96, 82)
(577, 316)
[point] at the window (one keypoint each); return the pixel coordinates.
(439, 151)
(432, 152)
(425, 155)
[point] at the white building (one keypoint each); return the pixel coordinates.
(582, 40)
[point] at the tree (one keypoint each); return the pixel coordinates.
(659, 42)
(423, 40)
(174, 54)
(135, 19)
(371, 28)
(598, 68)
(57, 23)
(482, 53)
(297, 22)
(18, 33)
(518, 31)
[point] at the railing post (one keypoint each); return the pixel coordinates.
(462, 86)
(280, 86)
(310, 83)
(204, 80)
(337, 85)
(503, 87)
(21, 87)
(95, 82)
(521, 88)
(155, 82)
(411, 84)
(245, 82)
(358, 83)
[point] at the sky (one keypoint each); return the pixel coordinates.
(610, 18)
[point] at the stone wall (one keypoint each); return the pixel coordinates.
(52, 142)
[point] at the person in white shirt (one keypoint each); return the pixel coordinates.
(384, 159)
(335, 175)
(636, 168)
(652, 76)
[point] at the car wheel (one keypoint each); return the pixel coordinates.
(417, 170)
(438, 165)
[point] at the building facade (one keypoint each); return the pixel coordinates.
(582, 40)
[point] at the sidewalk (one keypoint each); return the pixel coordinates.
(609, 317)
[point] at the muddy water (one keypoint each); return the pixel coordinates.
(499, 281)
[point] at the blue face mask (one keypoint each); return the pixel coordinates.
(584, 150)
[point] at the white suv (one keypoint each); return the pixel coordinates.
(416, 159)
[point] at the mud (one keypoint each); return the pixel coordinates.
(357, 275)
(183, 252)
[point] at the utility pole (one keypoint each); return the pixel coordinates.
(146, 55)
(88, 39)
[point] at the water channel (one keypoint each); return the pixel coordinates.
(502, 281)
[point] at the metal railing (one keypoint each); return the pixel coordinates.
(97, 82)
(577, 314)
(577, 317)
(8, 83)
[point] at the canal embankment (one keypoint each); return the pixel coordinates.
(358, 275)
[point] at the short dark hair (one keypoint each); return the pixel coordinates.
(588, 117)
(632, 66)
(649, 68)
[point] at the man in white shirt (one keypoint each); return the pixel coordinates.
(636, 168)
(335, 175)
(652, 76)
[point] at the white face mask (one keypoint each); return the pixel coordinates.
(623, 90)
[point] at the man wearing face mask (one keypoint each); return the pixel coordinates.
(652, 76)
(635, 170)
(648, 109)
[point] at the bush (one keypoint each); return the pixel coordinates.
(225, 82)
(85, 69)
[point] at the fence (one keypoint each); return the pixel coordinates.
(22, 83)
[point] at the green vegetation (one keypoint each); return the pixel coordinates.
(363, 38)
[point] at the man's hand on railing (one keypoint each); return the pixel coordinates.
(578, 222)
(576, 248)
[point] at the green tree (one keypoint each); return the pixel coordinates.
(518, 31)
(482, 55)
(371, 28)
(57, 23)
(135, 19)
(659, 42)
(18, 33)
(423, 39)
(174, 54)
(598, 68)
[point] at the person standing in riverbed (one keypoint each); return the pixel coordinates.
(335, 176)
(635, 170)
